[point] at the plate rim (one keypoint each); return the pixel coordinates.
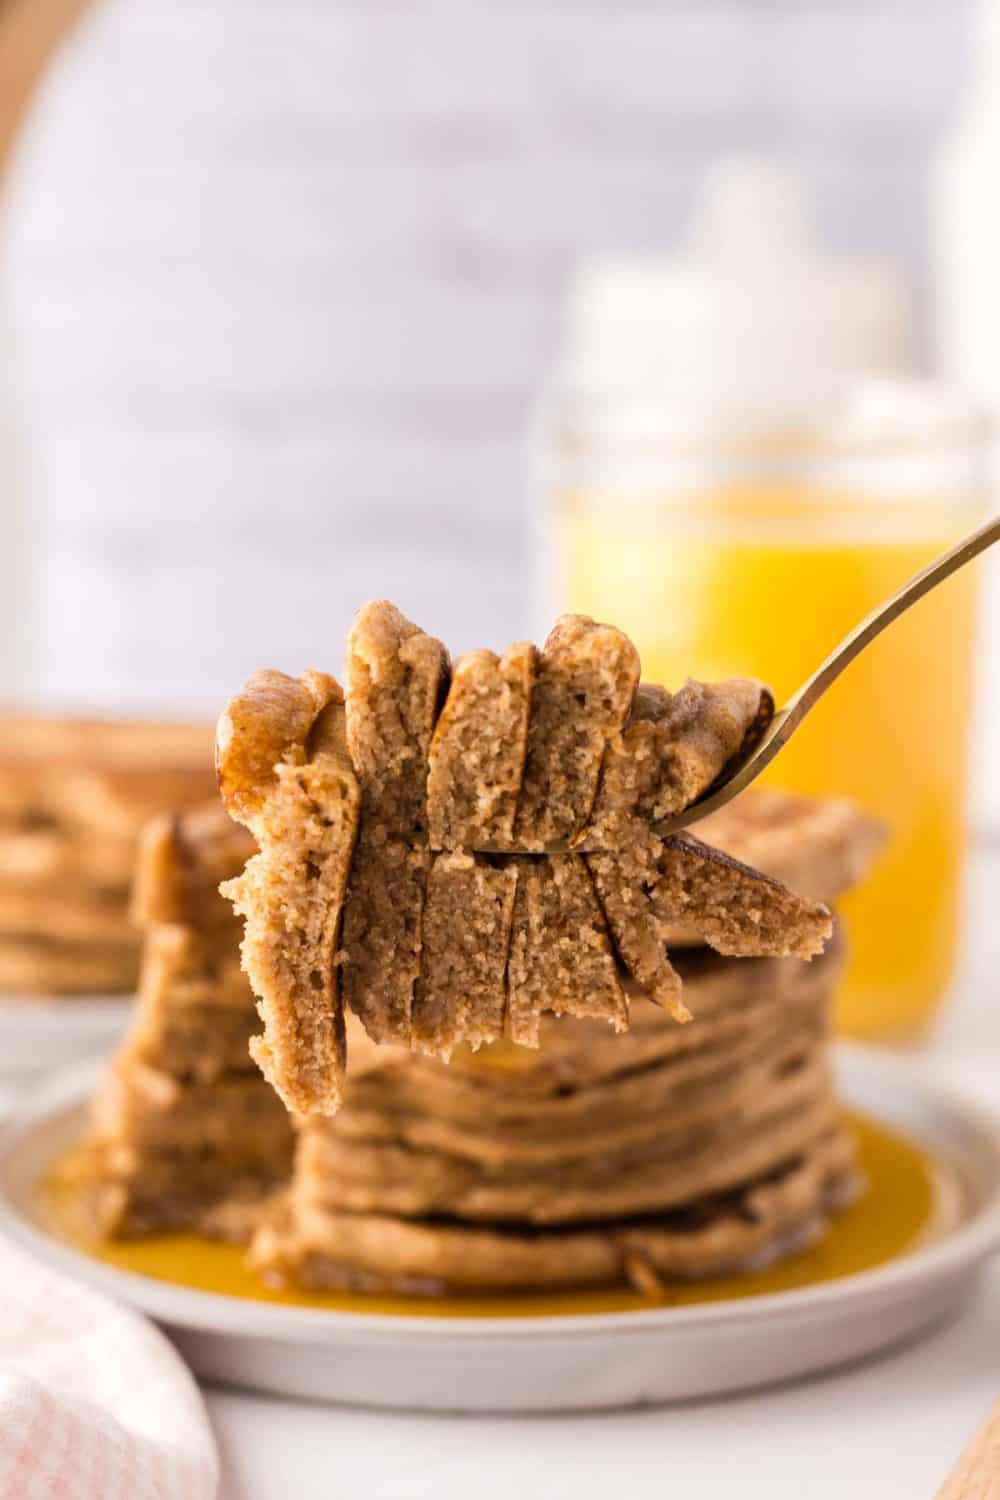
(198, 1311)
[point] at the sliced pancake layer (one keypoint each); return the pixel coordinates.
(478, 751)
(303, 808)
(382, 938)
(396, 678)
(635, 929)
(585, 683)
(561, 959)
(672, 749)
(736, 910)
(817, 846)
(461, 994)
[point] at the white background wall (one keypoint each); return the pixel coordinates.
(286, 276)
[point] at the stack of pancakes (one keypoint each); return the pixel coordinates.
(670, 1151)
(185, 1133)
(73, 796)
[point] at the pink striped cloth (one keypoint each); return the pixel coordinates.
(95, 1404)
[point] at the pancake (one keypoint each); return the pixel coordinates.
(319, 1248)
(303, 811)
(467, 925)
(478, 750)
(367, 1177)
(734, 909)
(561, 958)
(670, 752)
(382, 942)
(818, 847)
(585, 682)
(636, 931)
(635, 1112)
(396, 678)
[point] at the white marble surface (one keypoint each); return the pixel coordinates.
(888, 1429)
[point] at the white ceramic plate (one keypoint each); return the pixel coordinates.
(547, 1363)
(39, 1035)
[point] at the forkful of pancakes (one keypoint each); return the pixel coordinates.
(449, 851)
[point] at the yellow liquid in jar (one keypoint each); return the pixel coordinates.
(909, 1197)
(765, 585)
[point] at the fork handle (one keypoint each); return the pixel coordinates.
(882, 616)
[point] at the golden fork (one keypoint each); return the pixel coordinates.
(759, 753)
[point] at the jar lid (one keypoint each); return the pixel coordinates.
(753, 318)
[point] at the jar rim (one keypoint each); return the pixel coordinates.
(892, 419)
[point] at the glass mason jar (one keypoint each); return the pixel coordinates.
(751, 549)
